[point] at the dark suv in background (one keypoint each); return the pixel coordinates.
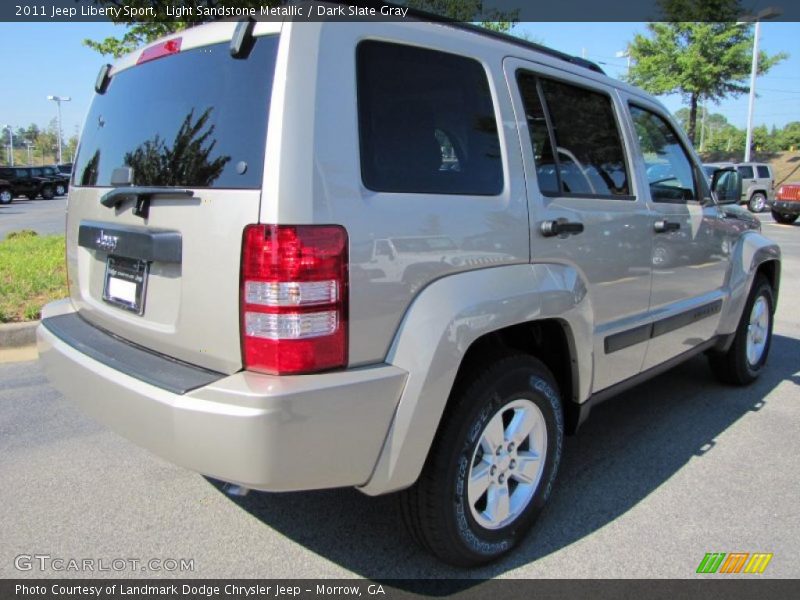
(60, 180)
(32, 182)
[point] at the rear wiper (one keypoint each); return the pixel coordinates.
(142, 196)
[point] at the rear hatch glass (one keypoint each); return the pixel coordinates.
(167, 278)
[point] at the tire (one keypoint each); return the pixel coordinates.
(465, 525)
(6, 197)
(745, 359)
(61, 189)
(47, 192)
(782, 218)
(758, 202)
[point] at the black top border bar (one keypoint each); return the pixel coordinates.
(351, 10)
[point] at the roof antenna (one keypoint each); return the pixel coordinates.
(243, 40)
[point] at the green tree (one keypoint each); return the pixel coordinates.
(137, 34)
(789, 136)
(695, 56)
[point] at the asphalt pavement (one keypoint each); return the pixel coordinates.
(661, 475)
(42, 216)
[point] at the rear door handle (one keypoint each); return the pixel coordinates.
(663, 226)
(560, 227)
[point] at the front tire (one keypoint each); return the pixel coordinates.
(745, 359)
(758, 202)
(492, 466)
(782, 218)
(47, 192)
(60, 189)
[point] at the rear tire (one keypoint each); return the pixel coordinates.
(745, 359)
(60, 189)
(492, 466)
(6, 197)
(785, 219)
(758, 202)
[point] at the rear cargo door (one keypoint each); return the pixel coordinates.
(168, 174)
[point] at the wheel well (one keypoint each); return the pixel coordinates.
(549, 340)
(771, 269)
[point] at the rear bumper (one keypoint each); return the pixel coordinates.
(787, 208)
(260, 431)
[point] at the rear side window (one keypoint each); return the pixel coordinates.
(589, 159)
(746, 172)
(426, 122)
(763, 172)
(194, 119)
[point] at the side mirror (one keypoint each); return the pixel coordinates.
(726, 184)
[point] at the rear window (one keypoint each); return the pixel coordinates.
(746, 172)
(427, 122)
(193, 119)
(763, 172)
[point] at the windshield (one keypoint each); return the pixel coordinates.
(194, 119)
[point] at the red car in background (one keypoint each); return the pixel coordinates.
(787, 203)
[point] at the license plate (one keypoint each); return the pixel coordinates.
(126, 283)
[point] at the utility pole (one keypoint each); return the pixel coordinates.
(10, 145)
(58, 100)
(767, 13)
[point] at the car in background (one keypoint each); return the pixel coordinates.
(65, 169)
(60, 181)
(786, 208)
(6, 195)
(758, 183)
(24, 181)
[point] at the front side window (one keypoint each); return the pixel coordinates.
(669, 170)
(426, 122)
(589, 159)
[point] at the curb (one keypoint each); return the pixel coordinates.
(14, 335)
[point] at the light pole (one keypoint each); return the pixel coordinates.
(58, 100)
(28, 145)
(768, 13)
(625, 54)
(10, 145)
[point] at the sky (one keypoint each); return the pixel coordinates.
(42, 59)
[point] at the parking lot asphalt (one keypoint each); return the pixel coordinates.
(42, 216)
(659, 476)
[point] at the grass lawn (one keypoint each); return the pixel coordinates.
(32, 273)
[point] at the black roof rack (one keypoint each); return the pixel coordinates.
(505, 37)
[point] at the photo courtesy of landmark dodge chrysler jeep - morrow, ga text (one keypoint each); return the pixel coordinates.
(238, 195)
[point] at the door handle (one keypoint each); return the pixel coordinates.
(663, 226)
(560, 227)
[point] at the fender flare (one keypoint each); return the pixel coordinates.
(752, 250)
(438, 329)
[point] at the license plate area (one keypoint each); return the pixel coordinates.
(125, 283)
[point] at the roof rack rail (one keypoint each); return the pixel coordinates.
(505, 37)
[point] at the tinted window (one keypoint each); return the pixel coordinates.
(426, 122)
(540, 135)
(763, 172)
(746, 172)
(6, 173)
(669, 170)
(194, 119)
(589, 158)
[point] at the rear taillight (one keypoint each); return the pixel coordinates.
(294, 298)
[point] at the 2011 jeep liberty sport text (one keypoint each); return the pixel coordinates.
(394, 256)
